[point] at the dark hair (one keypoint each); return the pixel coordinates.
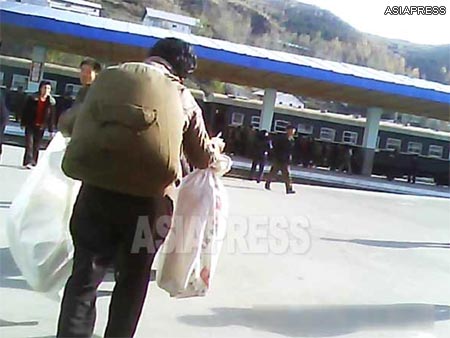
(44, 83)
(95, 65)
(178, 53)
(290, 127)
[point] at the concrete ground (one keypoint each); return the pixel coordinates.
(325, 262)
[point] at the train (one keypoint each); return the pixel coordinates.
(402, 151)
(14, 73)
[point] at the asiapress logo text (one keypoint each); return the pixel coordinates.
(415, 10)
(243, 234)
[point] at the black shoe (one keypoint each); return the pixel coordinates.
(267, 186)
(291, 191)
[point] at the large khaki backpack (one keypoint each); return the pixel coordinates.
(128, 132)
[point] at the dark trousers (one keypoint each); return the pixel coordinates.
(284, 168)
(347, 165)
(260, 163)
(103, 228)
(33, 139)
(412, 177)
(306, 161)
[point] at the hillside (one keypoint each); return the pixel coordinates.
(289, 26)
(297, 28)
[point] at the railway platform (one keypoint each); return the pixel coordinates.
(364, 265)
(312, 176)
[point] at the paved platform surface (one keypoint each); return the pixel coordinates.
(348, 264)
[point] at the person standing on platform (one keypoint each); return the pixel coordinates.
(38, 115)
(281, 158)
(89, 69)
(345, 157)
(128, 176)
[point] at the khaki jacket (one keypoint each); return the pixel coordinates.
(67, 119)
(115, 143)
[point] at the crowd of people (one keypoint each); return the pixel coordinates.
(40, 111)
(129, 166)
(262, 147)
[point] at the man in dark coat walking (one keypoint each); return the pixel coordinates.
(281, 158)
(38, 115)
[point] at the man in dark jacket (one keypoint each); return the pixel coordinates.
(116, 185)
(38, 115)
(281, 158)
(261, 148)
(89, 69)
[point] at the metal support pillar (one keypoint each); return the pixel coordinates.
(270, 96)
(370, 138)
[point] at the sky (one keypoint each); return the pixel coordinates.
(368, 16)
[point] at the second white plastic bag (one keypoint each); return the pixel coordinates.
(189, 255)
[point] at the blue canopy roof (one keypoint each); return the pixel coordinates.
(233, 62)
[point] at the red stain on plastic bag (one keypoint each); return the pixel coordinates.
(204, 275)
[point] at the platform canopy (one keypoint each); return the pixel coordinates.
(116, 41)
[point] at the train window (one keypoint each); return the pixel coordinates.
(2, 77)
(350, 137)
(72, 88)
(237, 119)
(255, 121)
(305, 128)
(53, 83)
(436, 151)
(394, 144)
(327, 134)
(414, 148)
(280, 126)
(19, 81)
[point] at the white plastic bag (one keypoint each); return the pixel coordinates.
(188, 258)
(38, 222)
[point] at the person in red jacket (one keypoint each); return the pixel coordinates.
(38, 115)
